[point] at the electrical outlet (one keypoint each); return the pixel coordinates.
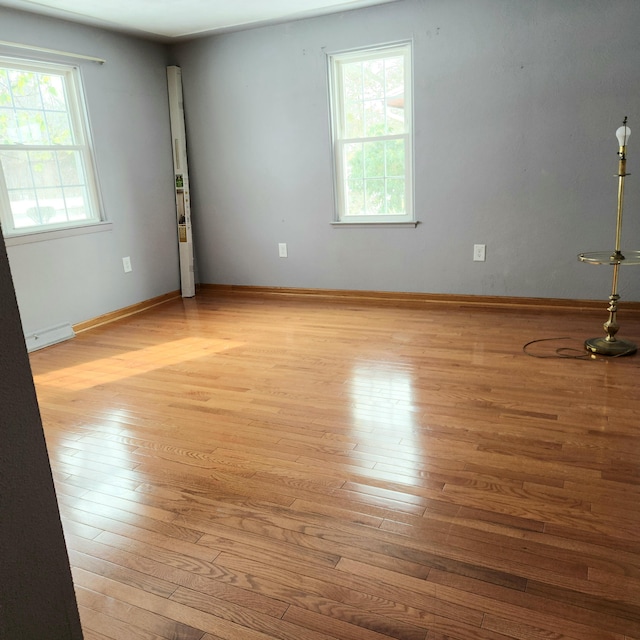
(282, 249)
(126, 263)
(479, 252)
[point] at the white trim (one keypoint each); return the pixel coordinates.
(335, 63)
(42, 236)
(66, 54)
(81, 144)
(366, 53)
(374, 223)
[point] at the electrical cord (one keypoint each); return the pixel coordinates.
(561, 352)
(570, 352)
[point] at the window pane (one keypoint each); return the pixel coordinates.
(394, 79)
(51, 198)
(373, 79)
(44, 168)
(352, 82)
(15, 166)
(395, 158)
(5, 93)
(354, 120)
(394, 76)
(31, 207)
(355, 197)
(34, 179)
(374, 118)
(59, 128)
(354, 160)
(374, 197)
(77, 200)
(8, 126)
(396, 196)
(25, 90)
(52, 93)
(32, 127)
(395, 117)
(22, 201)
(71, 170)
(40, 215)
(374, 159)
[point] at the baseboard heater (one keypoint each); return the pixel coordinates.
(46, 337)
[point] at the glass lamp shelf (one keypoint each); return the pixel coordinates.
(628, 258)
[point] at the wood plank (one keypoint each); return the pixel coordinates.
(130, 616)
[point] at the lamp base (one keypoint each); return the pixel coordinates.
(605, 347)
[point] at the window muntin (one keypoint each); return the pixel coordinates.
(46, 168)
(372, 134)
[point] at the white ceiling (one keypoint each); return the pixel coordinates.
(169, 20)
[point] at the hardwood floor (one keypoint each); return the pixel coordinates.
(253, 467)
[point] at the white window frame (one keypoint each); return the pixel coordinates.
(339, 139)
(76, 108)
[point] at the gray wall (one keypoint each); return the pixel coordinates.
(516, 104)
(36, 592)
(516, 107)
(78, 278)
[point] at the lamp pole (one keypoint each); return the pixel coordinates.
(610, 345)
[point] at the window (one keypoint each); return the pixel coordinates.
(372, 134)
(46, 168)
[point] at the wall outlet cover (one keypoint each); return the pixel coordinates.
(479, 252)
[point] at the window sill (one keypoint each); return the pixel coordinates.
(366, 223)
(54, 234)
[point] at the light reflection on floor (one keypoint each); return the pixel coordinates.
(96, 462)
(383, 405)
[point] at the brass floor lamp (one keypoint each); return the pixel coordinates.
(610, 345)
